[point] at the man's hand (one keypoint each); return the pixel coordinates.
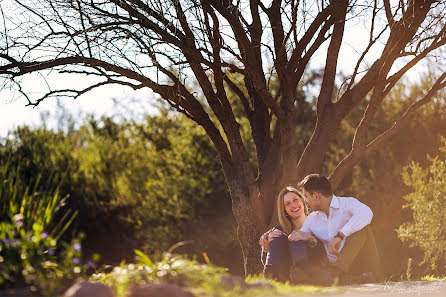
(297, 235)
(334, 245)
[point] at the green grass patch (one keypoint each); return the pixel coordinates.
(432, 278)
(203, 280)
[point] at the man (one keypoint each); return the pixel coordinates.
(342, 224)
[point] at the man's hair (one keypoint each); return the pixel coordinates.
(316, 183)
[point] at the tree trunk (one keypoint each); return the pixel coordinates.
(249, 230)
(314, 153)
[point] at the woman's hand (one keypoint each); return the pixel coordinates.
(297, 235)
(274, 234)
(264, 243)
(268, 236)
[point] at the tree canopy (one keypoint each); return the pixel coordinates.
(186, 50)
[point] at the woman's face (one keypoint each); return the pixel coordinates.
(293, 205)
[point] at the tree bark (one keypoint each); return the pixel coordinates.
(314, 153)
(249, 226)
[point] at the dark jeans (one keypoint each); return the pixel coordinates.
(283, 254)
(292, 252)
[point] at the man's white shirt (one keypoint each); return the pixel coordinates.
(347, 215)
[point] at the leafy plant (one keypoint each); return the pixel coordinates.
(31, 226)
(201, 279)
(427, 202)
(174, 269)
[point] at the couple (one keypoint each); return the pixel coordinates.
(338, 224)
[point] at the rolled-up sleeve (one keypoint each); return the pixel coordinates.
(361, 216)
(306, 227)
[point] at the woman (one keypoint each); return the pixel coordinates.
(288, 247)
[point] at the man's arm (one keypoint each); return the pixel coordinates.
(311, 240)
(361, 216)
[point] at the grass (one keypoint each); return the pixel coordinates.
(433, 278)
(203, 280)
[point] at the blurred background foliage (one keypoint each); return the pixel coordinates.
(147, 184)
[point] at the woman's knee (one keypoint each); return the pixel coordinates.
(279, 242)
(301, 244)
(278, 250)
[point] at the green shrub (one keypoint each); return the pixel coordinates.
(31, 226)
(427, 203)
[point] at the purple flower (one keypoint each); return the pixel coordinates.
(18, 220)
(15, 243)
(6, 240)
(90, 264)
(76, 261)
(51, 252)
(77, 247)
(44, 235)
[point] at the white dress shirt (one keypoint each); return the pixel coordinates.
(347, 215)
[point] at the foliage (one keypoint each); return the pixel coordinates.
(427, 202)
(143, 184)
(201, 279)
(156, 176)
(31, 226)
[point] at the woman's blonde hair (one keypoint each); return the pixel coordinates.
(284, 219)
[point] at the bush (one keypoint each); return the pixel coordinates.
(31, 226)
(427, 202)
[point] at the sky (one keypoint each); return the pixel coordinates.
(109, 100)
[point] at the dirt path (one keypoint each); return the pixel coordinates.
(400, 289)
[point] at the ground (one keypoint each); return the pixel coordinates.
(399, 289)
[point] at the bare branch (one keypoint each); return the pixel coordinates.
(389, 15)
(339, 12)
(309, 34)
(358, 152)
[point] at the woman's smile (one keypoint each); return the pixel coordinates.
(293, 205)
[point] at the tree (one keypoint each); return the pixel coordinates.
(169, 45)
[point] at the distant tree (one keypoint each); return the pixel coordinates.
(169, 45)
(427, 201)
